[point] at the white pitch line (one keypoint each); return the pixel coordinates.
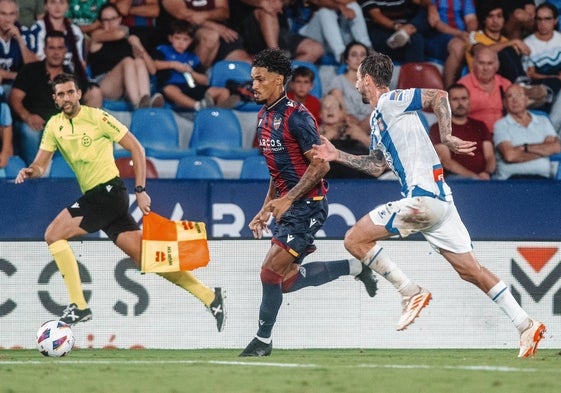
(466, 368)
(270, 364)
(93, 362)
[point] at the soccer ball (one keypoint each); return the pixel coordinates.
(55, 338)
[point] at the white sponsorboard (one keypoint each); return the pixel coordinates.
(135, 310)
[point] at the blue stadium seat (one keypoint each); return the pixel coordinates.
(117, 105)
(15, 163)
(316, 90)
(255, 168)
(60, 168)
(225, 70)
(238, 71)
(198, 167)
(158, 132)
(217, 132)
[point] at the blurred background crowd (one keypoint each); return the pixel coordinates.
(500, 61)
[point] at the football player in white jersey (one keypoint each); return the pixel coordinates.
(399, 142)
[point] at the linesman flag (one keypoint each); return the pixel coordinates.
(170, 246)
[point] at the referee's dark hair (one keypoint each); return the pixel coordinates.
(63, 78)
(274, 60)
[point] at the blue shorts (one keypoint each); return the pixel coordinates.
(298, 226)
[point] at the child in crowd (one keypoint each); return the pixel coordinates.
(301, 85)
(181, 76)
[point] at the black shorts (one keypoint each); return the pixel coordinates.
(105, 207)
(298, 226)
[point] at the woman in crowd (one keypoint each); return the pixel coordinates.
(119, 63)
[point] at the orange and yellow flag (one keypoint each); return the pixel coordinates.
(170, 246)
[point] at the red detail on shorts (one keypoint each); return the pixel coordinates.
(270, 277)
(292, 252)
(438, 174)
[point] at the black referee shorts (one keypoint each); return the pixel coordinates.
(105, 207)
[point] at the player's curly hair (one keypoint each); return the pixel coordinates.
(379, 67)
(274, 60)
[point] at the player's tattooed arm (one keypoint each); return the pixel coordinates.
(373, 164)
(437, 100)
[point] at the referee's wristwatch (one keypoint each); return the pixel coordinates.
(139, 189)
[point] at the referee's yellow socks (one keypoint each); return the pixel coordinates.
(189, 282)
(68, 267)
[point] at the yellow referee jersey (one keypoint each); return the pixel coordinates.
(86, 143)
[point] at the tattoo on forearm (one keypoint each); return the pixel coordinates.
(372, 165)
(437, 100)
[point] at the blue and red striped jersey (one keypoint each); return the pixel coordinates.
(285, 131)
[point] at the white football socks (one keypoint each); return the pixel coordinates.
(355, 267)
(381, 263)
(502, 296)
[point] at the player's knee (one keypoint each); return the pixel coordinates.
(268, 276)
(50, 236)
(350, 242)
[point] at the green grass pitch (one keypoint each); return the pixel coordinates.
(292, 371)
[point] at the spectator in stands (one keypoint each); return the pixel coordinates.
(140, 17)
(14, 52)
(524, 140)
(300, 87)
(30, 11)
(519, 18)
(84, 14)
(119, 63)
(345, 135)
(482, 163)
(510, 51)
(543, 65)
(485, 87)
(335, 24)
(215, 40)
(55, 19)
(31, 97)
(448, 39)
(343, 86)
(6, 135)
(395, 28)
(181, 76)
(264, 24)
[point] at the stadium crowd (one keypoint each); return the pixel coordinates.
(135, 54)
